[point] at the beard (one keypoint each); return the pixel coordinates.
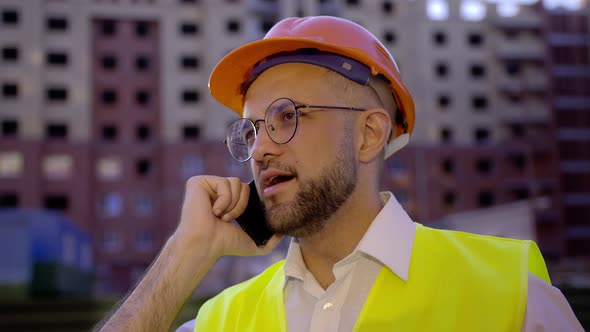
(318, 198)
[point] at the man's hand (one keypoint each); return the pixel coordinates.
(204, 233)
(210, 205)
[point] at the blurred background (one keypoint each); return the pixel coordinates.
(105, 114)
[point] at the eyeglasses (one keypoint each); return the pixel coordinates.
(281, 120)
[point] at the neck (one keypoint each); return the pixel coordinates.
(340, 236)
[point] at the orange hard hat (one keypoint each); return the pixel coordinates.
(326, 34)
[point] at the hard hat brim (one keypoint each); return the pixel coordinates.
(225, 82)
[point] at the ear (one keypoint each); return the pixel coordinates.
(375, 133)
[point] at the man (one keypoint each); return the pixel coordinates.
(323, 105)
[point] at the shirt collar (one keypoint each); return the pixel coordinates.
(389, 239)
(294, 264)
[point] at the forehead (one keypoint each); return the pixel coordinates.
(300, 82)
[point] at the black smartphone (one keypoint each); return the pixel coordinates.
(253, 220)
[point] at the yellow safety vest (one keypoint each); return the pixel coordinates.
(457, 282)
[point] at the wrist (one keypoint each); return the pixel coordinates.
(191, 249)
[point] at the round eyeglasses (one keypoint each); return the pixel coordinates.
(281, 120)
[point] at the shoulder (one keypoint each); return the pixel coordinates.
(479, 249)
(462, 240)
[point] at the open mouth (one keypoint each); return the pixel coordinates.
(276, 182)
(279, 179)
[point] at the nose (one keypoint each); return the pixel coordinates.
(264, 146)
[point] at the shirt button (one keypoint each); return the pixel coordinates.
(328, 306)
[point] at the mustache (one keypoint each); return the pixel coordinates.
(276, 165)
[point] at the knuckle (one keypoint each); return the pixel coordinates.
(204, 181)
(193, 181)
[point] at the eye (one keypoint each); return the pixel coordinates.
(250, 134)
(288, 116)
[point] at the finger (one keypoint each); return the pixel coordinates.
(236, 188)
(224, 196)
(241, 203)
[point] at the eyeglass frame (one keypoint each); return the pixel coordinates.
(297, 107)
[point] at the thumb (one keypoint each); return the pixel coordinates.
(272, 243)
(243, 245)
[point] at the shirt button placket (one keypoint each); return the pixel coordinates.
(325, 318)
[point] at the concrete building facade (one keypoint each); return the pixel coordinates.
(568, 42)
(105, 111)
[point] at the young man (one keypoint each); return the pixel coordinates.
(322, 106)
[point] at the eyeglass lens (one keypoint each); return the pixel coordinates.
(280, 122)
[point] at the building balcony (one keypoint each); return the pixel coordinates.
(529, 144)
(547, 216)
(581, 232)
(572, 70)
(263, 7)
(521, 50)
(567, 39)
(525, 111)
(534, 187)
(536, 81)
(571, 102)
(538, 110)
(509, 112)
(510, 84)
(528, 21)
(529, 120)
(329, 8)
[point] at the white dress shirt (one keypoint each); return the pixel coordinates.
(388, 242)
